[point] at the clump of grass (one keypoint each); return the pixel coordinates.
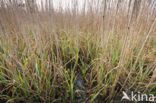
(44, 51)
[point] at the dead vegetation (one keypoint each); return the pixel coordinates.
(92, 55)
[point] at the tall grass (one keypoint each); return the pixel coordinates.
(87, 54)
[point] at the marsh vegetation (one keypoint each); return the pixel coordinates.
(73, 55)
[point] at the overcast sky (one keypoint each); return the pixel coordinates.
(62, 3)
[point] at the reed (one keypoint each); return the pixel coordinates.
(87, 52)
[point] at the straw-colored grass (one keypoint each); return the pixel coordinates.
(110, 47)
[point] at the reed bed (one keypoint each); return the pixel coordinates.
(88, 53)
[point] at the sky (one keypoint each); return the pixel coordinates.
(63, 3)
(68, 3)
